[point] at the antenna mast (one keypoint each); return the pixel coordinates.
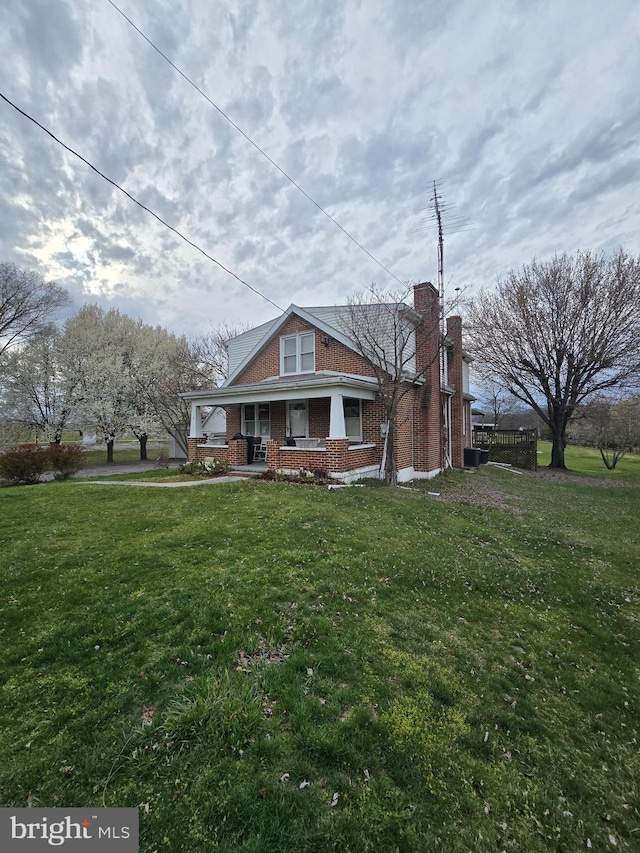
(442, 215)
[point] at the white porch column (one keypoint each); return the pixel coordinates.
(196, 422)
(336, 417)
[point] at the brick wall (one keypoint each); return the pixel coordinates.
(404, 432)
(319, 411)
(234, 454)
(427, 402)
(336, 356)
(197, 454)
(454, 368)
(336, 457)
(234, 420)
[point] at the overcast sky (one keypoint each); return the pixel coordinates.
(528, 112)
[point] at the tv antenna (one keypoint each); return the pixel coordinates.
(442, 216)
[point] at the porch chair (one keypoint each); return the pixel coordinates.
(259, 451)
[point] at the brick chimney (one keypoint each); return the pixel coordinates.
(426, 303)
(428, 414)
(454, 375)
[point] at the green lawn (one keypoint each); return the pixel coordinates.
(588, 461)
(121, 456)
(278, 667)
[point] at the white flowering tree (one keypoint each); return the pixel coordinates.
(95, 354)
(37, 394)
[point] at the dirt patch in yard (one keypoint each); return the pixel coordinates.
(556, 476)
(479, 489)
(488, 488)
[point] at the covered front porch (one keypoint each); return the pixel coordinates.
(320, 423)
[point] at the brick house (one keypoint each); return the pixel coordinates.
(300, 395)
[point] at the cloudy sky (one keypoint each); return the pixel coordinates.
(527, 112)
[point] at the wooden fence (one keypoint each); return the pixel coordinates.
(518, 447)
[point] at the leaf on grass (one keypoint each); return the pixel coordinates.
(148, 713)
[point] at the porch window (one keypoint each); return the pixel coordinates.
(298, 353)
(353, 418)
(257, 419)
(298, 418)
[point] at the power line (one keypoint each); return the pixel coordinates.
(255, 145)
(139, 203)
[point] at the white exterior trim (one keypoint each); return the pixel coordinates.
(261, 392)
(406, 474)
(357, 474)
(297, 337)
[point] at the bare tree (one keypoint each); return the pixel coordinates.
(190, 364)
(384, 330)
(497, 401)
(27, 304)
(173, 364)
(611, 425)
(557, 333)
(210, 348)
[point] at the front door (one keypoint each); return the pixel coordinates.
(298, 418)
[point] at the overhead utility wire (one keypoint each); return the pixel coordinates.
(255, 145)
(140, 204)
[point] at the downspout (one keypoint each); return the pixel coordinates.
(449, 433)
(413, 442)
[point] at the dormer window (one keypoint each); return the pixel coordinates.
(298, 353)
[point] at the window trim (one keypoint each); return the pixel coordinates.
(298, 353)
(256, 419)
(344, 403)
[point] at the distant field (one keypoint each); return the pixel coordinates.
(277, 667)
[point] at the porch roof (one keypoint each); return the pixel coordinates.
(321, 384)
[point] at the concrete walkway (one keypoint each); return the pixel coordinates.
(149, 484)
(123, 468)
(86, 475)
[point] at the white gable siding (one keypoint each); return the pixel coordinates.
(337, 316)
(242, 345)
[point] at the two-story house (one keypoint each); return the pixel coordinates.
(303, 393)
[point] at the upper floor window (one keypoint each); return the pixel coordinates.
(298, 353)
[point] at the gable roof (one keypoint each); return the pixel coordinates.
(247, 345)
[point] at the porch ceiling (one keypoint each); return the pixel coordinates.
(300, 388)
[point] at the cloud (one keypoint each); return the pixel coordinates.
(527, 114)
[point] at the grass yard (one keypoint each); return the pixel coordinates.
(587, 461)
(121, 456)
(278, 667)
